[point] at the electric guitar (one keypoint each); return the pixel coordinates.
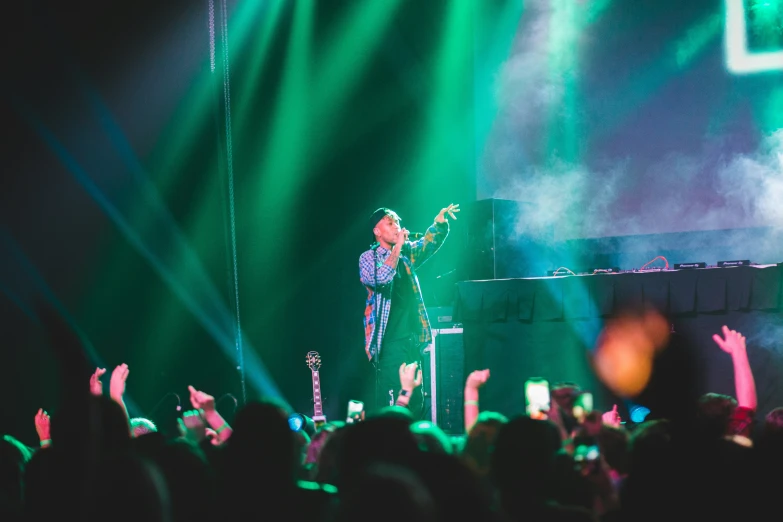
(314, 363)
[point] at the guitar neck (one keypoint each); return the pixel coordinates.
(318, 411)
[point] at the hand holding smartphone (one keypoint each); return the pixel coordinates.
(537, 397)
(355, 412)
(583, 405)
(587, 454)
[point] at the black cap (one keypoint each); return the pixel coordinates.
(376, 216)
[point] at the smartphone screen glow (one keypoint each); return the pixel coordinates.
(537, 397)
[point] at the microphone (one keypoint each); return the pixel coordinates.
(413, 236)
(228, 396)
(160, 402)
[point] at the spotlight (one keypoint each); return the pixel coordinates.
(301, 422)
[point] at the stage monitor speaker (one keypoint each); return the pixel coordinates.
(446, 380)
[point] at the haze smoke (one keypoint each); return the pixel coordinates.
(726, 173)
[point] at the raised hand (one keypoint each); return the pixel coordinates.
(410, 378)
(477, 379)
(450, 210)
(43, 427)
(96, 386)
(117, 382)
(201, 400)
(205, 404)
(612, 418)
(732, 342)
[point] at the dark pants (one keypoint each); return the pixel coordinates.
(393, 355)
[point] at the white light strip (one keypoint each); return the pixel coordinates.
(738, 59)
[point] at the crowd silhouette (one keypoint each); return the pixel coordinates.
(707, 457)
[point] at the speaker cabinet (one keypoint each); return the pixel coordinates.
(444, 394)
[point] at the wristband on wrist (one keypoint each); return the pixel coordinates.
(471, 403)
(404, 393)
(46, 442)
(221, 428)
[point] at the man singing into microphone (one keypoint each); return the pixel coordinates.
(396, 325)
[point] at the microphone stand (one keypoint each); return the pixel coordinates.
(376, 355)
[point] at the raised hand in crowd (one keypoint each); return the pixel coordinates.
(205, 403)
(410, 376)
(473, 383)
(117, 385)
(43, 428)
(612, 418)
(201, 400)
(477, 379)
(410, 379)
(96, 386)
(733, 343)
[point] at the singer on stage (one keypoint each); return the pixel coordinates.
(396, 326)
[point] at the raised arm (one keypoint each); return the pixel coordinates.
(733, 343)
(96, 386)
(43, 428)
(205, 403)
(421, 250)
(117, 387)
(473, 383)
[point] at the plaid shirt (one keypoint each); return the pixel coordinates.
(413, 254)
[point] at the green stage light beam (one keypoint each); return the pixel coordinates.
(283, 160)
(451, 69)
(247, 88)
(288, 137)
(42, 287)
(196, 107)
(231, 207)
(595, 8)
(494, 39)
(564, 30)
(773, 111)
(20, 304)
(204, 310)
(348, 52)
(696, 38)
